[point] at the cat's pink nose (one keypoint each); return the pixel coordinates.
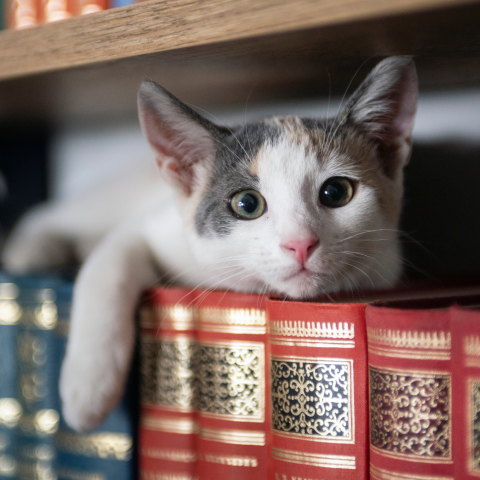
(301, 249)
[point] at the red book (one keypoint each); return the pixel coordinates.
(232, 387)
(319, 421)
(410, 377)
(466, 385)
(167, 433)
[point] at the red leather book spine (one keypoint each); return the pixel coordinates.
(231, 376)
(319, 418)
(466, 385)
(167, 431)
(410, 377)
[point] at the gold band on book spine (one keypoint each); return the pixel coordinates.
(249, 321)
(412, 344)
(184, 426)
(332, 330)
(234, 437)
(174, 317)
(313, 459)
(101, 445)
(169, 454)
(377, 473)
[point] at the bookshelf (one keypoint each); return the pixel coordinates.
(214, 51)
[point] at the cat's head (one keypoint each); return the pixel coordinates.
(300, 206)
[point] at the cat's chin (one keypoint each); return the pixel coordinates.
(301, 285)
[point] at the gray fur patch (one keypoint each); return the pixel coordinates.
(236, 149)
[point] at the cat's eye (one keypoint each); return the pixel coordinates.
(336, 192)
(247, 204)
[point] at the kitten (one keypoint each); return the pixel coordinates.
(294, 205)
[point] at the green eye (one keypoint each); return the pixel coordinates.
(247, 204)
(336, 192)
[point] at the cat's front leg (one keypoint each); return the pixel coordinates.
(102, 335)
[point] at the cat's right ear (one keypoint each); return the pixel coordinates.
(181, 138)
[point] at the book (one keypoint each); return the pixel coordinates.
(410, 398)
(318, 390)
(10, 408)
(204, 409)
(465, 323)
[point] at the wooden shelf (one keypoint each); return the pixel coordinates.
(217, 51)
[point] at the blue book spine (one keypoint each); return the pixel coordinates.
(10, 409)
(106, 453)
(37, 382)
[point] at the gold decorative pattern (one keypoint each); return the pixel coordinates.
(410, 415)
(473, 430)
(312, 398)
(314, 459)
(174, 317)
(167, 375)
(413, 344)
(338, 330)
(382, 474)
(184, 426)
(99, 445)
(42, 423)
(235, 437)
(471, 350)
(10, 412)
(169, 454)
(232, 320)
(231, 380)
(71, 474)
(10, 311)
(231, 460)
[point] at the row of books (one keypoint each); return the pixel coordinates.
(35, 442)
(242, 386)
(28, 13)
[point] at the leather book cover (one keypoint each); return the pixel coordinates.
(318, 376)
(167, 430)
(465, 323)
(232, 384)
(410, 391)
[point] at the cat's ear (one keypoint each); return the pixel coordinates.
(384, 107)
(181, 138)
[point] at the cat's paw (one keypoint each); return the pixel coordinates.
(34, 246)
(89, 389)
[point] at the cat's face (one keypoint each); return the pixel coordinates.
(300, 206)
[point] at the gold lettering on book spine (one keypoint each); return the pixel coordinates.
(312, 399)
(410, 415)
(231, 380)
(340, 330)
(473, 431)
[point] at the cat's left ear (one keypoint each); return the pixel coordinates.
(384, 107)
(182, 139)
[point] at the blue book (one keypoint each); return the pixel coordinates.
(10, 409)
(37, 382)
(106, 453)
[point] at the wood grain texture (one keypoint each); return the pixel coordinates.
(168, 25)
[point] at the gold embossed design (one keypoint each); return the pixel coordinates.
(409, 344)
(175, 317)
(410, 415)
(99, 445)
(42, 423)
(8, 466)
(473, 429)
(314, 459)
(10, 412)
(471, 350)
(169, 454)
(382, 474)
(312, 398)
(71, 474)
(10, 311)
(232, 320)
(151, 475)
(183, 426)
(235, 437)
(232, 460)
(167, 376)
(231, 380)
(334, 330)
